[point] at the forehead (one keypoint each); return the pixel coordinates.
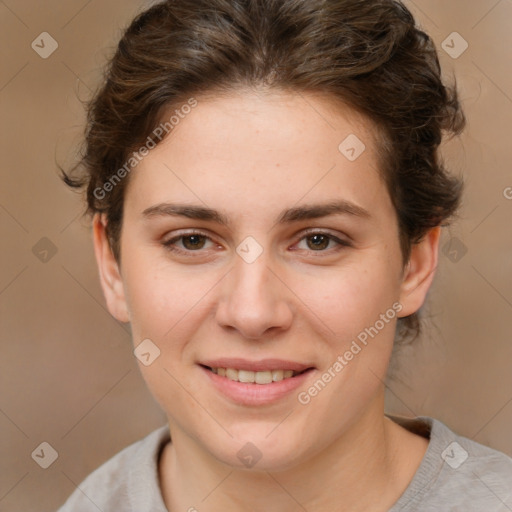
(262, 149)
(272, 123)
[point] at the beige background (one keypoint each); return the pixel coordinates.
(67, 372)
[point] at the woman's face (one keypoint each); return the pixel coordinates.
(283, 283)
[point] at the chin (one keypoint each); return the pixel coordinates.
(254, 449)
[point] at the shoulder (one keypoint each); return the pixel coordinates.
(127, 481)
(471, 467)
(456, 473)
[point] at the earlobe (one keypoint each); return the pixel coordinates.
(110, 276)
(419, 272)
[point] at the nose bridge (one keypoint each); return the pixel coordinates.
(252, 278)
(251, 272)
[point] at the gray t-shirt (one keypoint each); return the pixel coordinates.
(455, 474)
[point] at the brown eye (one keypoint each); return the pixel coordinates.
(188, 243)
(192, 242)
(322, 242)
(318, 241)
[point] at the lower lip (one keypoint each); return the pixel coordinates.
(256, 394)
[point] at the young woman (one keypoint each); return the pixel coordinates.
(267, 198)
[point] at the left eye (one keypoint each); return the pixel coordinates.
(194, 242)
(319, 241)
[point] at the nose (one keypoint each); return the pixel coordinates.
(254, 299)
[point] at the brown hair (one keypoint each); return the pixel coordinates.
(367, 54)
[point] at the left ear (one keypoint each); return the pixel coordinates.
(419, 272)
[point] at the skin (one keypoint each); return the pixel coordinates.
(251, 155)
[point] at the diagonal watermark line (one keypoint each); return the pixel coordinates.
(424, 13)
(323, 323)
(14, 218)
(306, 193)
(392, 392)
(13, 13)
(492, 286)
(76, 14)
(282, 421)
(14, 76)
(97, 402)
(95, 299)
(198, 402)
(492, 81)
(312, 107)
(185, 184)
(495, 495)
(13, 279)
(70, 222)
(77, 76)
(286, 491)
(487, 13)
(15, 424)
(485, 218)
(492, 418)
(217, 486)
(15, 485)
(76, 486)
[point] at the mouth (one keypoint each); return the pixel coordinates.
(255, 383)
(255, 377)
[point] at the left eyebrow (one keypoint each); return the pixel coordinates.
(298, 213)
(316, 211)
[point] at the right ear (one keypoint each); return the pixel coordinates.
(110, 276)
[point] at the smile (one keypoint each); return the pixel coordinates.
(259, 377)
(255, 383)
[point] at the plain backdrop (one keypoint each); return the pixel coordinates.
(68, 376)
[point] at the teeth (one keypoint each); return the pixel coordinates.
(263, 377)
(231, 374)
(247, 376)
(277, 375)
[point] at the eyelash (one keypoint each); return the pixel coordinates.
(170, 244)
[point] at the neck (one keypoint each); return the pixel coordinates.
(367, 468)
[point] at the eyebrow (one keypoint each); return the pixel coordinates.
(304, 212)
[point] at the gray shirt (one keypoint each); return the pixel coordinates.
(455, 474)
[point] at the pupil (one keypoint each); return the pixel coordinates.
(196, 240)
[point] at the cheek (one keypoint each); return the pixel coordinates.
(169, 304)
(359, 308)
(350, 302)
(349, 298)
(161, 299)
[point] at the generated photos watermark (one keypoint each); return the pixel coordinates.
(137, 156)
(305, 397)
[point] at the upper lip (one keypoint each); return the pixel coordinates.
(256, 366)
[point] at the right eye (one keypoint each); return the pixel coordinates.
(192, 241)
